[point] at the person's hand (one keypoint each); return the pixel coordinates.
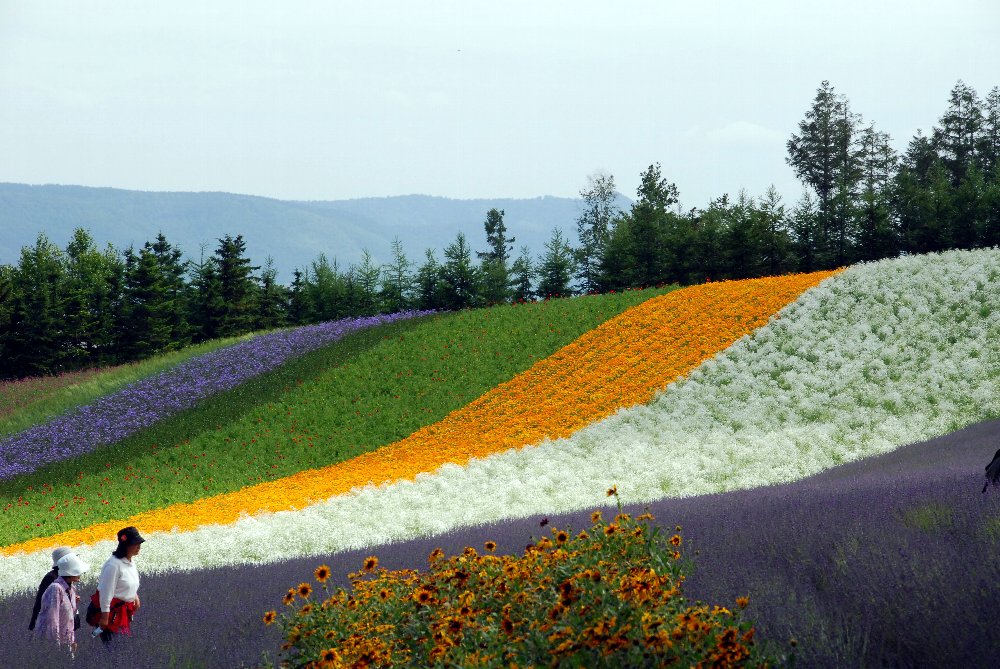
(104, 621)
(72, 647)
(137, 603)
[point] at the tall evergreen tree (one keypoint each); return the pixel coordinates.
(825, 156)
(494, 262)
(272, 300)
(959, 137)
(989, 145)
(364, 280)
(92, 278)
(555, 269)
(523, 277)
(237, 282)
(428, 283)
(146, 328)
(460, 279)
(396, 292)
(301, 309)
(173, 272)
(593, 228)
(207, 306)
(806, 232)
(35, 342)
(771, 223)
(877, 237)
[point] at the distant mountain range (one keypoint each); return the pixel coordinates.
(292, 233)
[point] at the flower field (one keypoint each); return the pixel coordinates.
(705, 391)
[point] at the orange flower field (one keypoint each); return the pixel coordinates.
(621, 363)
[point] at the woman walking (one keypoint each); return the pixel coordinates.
(47, 580)
(60, 603)
(117, 593)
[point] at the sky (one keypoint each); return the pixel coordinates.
(326, 100)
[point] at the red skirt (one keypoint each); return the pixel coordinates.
(120, 618)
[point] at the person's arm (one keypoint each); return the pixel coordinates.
(49, 614)
(42, 587)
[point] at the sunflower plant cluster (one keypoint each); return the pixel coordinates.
(607, 596)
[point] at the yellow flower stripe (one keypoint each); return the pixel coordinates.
(622, 362)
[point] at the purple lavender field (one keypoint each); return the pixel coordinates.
(144, 402)
(890, 561)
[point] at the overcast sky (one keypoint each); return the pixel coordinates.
(329, 100)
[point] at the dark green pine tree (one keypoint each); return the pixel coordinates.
(236, 283)
(707, 250)
(989, 143)
(494, 262)
(772, 225)
(877, 235)
(969, 224)
(146, 329)
(396, 292)
(990, 235)
(272, 299)
(301, 310)
(173, 274)
(208, 308)
(615, 269)
(522, 274)
(960, 135)
(428, 283)
(556, 267)
(825, 156)
(363, 286)
(34, 343)
(460, 279)
(93, 278)
(649, 255)
(742, 240)
(805, 231)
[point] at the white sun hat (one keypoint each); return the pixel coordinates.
(58, 553)
(71, 565)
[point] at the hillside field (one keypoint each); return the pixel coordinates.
(820, 439)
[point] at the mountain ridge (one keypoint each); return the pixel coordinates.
(291, 232)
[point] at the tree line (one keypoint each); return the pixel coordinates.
(82, 306)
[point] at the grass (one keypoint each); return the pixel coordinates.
(367, 390)
(25, 402)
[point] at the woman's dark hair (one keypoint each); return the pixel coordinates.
(120, 552)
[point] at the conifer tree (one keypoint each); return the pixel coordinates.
(523, 277)
(555, 269)
(494, 269)
(460, 280)
(396, 293)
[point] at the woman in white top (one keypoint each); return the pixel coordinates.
(118, 587)
(60, 602)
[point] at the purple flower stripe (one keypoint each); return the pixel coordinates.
(140, 404)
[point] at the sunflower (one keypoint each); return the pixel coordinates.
(371, 563)
(304, 590)
(612, 491)
(289, 597)
(269, 617)
(595, 517)
(329, 656)
(675, 540)
(561, 536)
(322, 573)
(490, 546)
(742, 602)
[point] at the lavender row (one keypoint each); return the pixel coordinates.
(888, 561)
(144, 402)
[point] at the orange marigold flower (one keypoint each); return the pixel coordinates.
(322, 573)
